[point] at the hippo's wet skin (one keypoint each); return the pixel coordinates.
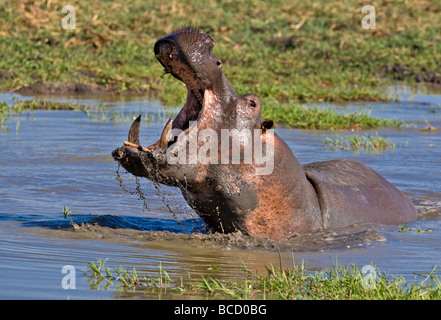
(289, 199)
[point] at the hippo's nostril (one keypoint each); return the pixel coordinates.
(117, 154)
(252, 104)
(219, 64)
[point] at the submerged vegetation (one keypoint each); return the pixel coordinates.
(337, 283)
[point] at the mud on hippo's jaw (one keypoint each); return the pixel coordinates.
(144, 161)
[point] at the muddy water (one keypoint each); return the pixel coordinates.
(56, 158)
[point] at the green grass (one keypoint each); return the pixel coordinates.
(324, 118)
(98, 112)
(405, 228)
(290, 116)
(99, 272)
(284, 52)
(9, 110)
(105, 114)
(66, 212)
(337, 283)
(366, 142)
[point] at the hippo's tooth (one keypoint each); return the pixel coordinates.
(134, 131)
(166, 134)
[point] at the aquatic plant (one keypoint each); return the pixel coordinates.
(99, 112)
(4, 115)
(405, 228)
(292, 116)
(105, 114)
(367, 142)
(66, 212)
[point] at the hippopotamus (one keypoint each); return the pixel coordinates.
(264, 192)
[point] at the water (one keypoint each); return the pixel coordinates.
(53, 159)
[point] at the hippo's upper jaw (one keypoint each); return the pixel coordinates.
(187, 55)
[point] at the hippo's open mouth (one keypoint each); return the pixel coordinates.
(282, 199)
(195, 89)
(186, 55)
(172, 63)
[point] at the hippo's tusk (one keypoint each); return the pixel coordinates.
(134, 131)
(136, 146)
(166, 134)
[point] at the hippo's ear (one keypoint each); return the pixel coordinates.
(267, 124)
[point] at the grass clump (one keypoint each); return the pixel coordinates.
(9, 110)
(366, 142)
(405, 228)
(337, 283)
(105, 114)
(99, 272)
(66, 212)
(36, 104)
(99, 112)
(324, 118)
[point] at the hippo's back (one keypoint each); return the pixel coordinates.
(350, 192)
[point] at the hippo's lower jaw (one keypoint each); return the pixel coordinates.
(148, 162)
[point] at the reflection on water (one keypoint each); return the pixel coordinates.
(62, 158)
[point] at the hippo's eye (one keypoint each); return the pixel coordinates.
(219, 64)
(252, 104)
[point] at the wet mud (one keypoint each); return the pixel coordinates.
(356, 236)
(193, 233)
